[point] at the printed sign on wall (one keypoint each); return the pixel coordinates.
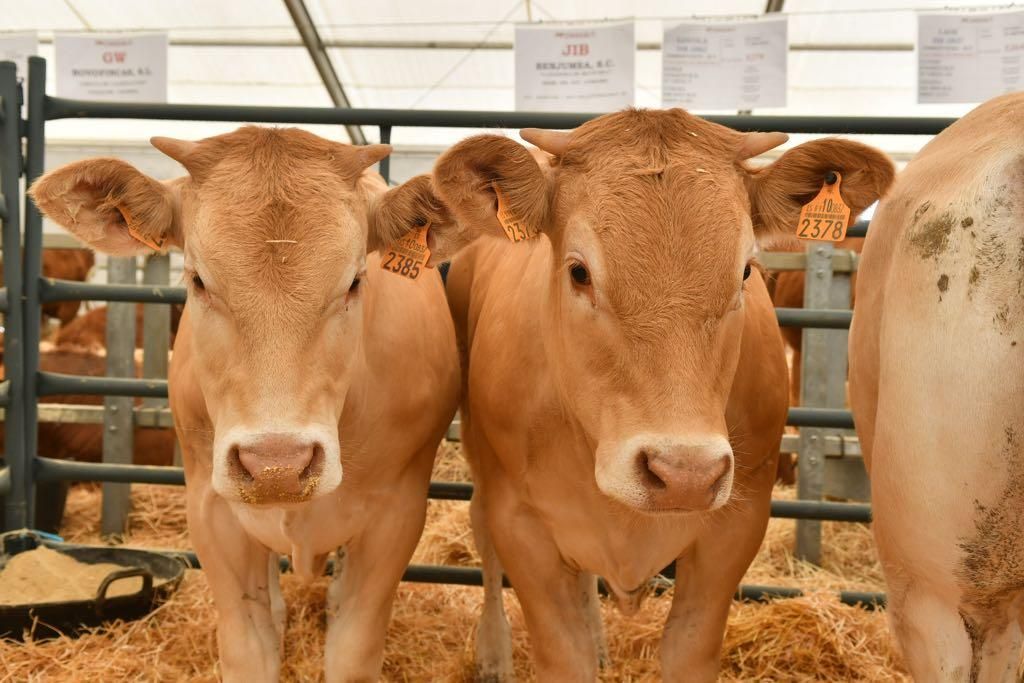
(969, 57)
(112, 67)
(575, 68)
(725, 64)
(17, 48)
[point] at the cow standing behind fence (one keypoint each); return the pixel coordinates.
(937, 388)
(626, 383)
(309, 388)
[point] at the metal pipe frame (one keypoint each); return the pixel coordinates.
(18, 497)
(25, 467)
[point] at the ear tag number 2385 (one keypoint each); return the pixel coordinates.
(409, 255)
(826, 216)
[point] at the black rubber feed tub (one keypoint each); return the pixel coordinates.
(161, 576)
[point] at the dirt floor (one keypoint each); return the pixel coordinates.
(813, 638)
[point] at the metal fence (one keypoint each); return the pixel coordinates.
(827, 296)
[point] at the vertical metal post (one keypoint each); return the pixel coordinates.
(33, 260)
(385, 163)
(118, 434)
(18, 502)
(156, 325)
(814, 392)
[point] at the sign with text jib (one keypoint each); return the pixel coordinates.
(575, 67)
(116, 67)
(732, 64)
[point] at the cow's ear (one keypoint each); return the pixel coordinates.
(779, 190)
(111, 206)
(411, 206)
(479, 173)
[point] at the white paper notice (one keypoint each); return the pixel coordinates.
(969, 57)
(112, 67)
(725, 64)
(17, 48)
(575, 68)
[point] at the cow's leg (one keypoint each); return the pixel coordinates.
(362, 592)
(562, 643)
(707, 577)
(592, 612)
(278, 609)
(493, 637)
(236, 569)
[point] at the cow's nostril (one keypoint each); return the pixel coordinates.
(237, 466)
(648, 475)
(316, 463)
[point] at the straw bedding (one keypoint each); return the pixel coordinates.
(813, 638)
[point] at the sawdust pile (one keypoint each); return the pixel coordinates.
(45, 575)
(812, 638)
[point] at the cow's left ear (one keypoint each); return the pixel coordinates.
(779, 190)
(410, 206)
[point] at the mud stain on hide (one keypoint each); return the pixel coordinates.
(943, 283)
(991, 570)
(932, 238)
(967, 222)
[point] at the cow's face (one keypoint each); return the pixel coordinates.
(273, 226)
(653, 220)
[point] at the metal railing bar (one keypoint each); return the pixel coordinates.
(820, 417)
(821, 318)
(61, 108)
(53, 383)
(51, 469)
(51, 289)
(5, 480)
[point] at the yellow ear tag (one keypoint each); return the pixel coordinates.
(514, 228)
(409, 255)
(157, 245)
(825, 217)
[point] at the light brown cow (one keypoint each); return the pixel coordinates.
(64, 264)
(90, 330)
(626, 386)
(297, 359)
(937, 389)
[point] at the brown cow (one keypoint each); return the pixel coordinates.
(297, 359)
(626, 386)
(937, 389)
(84, 442)
(90, 330)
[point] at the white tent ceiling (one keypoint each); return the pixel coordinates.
(249, 52)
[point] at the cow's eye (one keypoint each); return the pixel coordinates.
(579, 274)
(746, 272)
(354, 287)
(197, 283)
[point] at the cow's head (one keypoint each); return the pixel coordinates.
(653, 219)
(273, 226)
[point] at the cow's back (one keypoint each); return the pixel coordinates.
(937, 372)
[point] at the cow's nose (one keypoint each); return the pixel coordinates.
(277, 468)
(686, 477)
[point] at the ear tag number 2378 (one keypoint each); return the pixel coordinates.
(826, 216)
(514, 228)
(409, 255)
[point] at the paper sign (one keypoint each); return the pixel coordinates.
(725, 64)
(115, 67)
(575, 67)
(514, 228)
(969, 57)
(17, 48)
(408, 256)
(827, 216)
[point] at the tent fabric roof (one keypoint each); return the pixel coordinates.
(228, 69)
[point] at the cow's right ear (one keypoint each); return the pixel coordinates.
(111, 206)
(479, 173)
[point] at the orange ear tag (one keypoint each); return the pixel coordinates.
(825, 217)
(409, 255)
(514, 228)
(157, 245)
